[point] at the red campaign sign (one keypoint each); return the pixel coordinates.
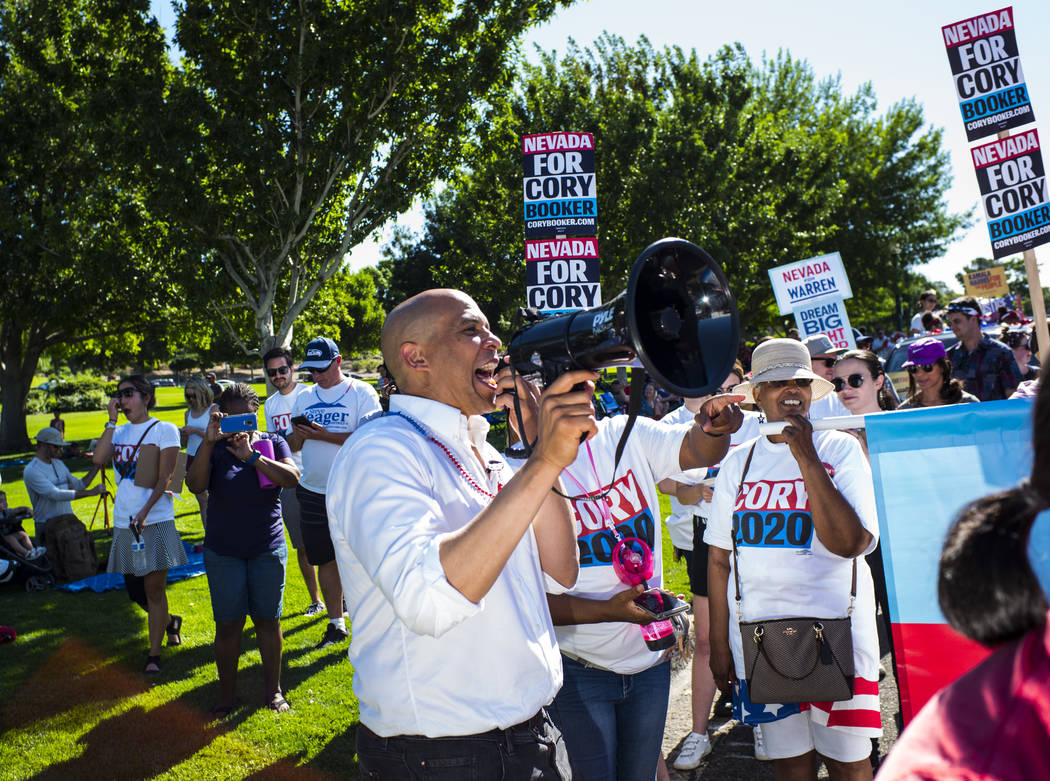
(556, 142)
(1005, 149)
(978, 26)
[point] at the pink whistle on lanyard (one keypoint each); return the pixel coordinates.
(265, 448)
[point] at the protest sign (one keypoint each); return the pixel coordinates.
(989, 82)
(927, 464)
(827, 316)
(987, 283)
(562, 274)
(802, 283)
(560, 189)
(1014, 193)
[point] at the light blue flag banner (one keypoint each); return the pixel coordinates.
(927, 465)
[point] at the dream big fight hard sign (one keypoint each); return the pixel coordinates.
(813, 290)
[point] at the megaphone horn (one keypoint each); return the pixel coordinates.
(677, 318)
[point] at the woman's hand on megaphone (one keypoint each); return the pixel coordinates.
(720, 415)
(566, 417)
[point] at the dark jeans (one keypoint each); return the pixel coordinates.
(613, 724)
(533, 749)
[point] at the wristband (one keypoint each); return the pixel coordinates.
(110, 424)
(254, 457)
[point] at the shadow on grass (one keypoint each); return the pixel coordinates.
(137, 744)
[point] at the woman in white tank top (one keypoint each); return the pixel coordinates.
(199, 400)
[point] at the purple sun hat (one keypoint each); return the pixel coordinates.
(923, 352)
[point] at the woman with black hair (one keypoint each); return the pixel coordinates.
(930, 382)
(993, 722)
(146, 543)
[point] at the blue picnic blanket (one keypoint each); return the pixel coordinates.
(107, 581)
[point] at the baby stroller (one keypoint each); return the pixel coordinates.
(35, 573)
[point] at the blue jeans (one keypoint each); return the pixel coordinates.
(246, 587)
(613, 724)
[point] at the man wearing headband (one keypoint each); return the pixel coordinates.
(985, 367)
(446, 557)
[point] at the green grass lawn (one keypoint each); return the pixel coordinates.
(76, 705)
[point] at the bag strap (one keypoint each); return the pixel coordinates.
(736, 563)
(144, 433)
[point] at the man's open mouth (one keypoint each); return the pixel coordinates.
(487, 374)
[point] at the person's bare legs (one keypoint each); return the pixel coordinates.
(268, 635)
(703, 682)
(227, 654)
(155, 584)
(309, 575)
(331, 589)
(801, 768)
(849, 771)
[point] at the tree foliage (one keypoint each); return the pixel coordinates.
(305, 126)
(759, 164)
(80, 85)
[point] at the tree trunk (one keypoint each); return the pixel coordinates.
(17, 366)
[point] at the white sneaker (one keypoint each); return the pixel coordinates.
(697, 745)
(760, 745)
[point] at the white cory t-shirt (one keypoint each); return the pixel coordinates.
(651, 455)
(785, 570)
(130, 498)
(680, 521)
(278, 410)
(340, 409)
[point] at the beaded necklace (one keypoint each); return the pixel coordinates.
(463, 472)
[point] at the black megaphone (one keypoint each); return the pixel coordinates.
(677, 319)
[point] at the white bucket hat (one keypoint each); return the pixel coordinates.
(782, 359)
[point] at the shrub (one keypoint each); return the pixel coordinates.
(79, 393)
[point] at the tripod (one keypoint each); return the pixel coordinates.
(103, 502)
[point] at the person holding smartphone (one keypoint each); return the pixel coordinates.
(143, 514)
(613, 704)
(244, 549)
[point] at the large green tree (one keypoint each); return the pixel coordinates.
(80, 85)
(760, 164)
(307, 125)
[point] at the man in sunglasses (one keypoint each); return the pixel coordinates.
(333, 407)
(985, 367)
(277, 410)
(823, 354)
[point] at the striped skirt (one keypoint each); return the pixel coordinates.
(163, 549)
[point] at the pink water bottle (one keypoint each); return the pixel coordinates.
(658, 635)
(265, 448)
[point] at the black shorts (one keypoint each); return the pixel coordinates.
(313, 524)
(698, 559)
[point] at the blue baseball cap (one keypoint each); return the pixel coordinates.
(320, 353)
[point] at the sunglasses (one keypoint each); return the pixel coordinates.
(312, 370)
(926, 367)
(280, 370)
(828, 362)
(125, 393)
(801, 382)
(854, 381)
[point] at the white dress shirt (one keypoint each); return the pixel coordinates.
(428, 661)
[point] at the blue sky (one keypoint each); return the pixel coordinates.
(894, 44)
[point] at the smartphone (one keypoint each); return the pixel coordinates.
(233, 424)
(660, 604)
(300, 420)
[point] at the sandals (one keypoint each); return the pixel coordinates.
(278, 704)
(152, 665)
(174, 630)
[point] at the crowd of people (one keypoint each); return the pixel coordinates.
(499, 603)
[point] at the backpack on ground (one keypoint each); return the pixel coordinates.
(70, 548)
